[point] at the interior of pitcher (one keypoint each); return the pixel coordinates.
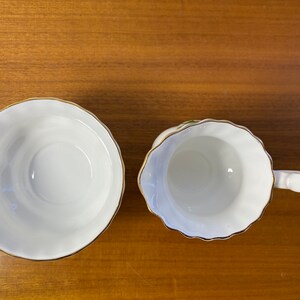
(204, 175)
(210, 180)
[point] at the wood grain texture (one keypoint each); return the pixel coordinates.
(141, 67)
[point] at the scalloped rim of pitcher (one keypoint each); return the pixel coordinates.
(181, 127)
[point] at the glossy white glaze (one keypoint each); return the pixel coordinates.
(209, 179)
(61, 178)
(287, 180)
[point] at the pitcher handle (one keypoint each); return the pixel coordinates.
(287, 180)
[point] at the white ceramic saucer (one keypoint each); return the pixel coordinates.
(62, 178)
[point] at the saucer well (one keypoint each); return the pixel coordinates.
(61, 178)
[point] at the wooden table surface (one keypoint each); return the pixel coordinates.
(141, 67)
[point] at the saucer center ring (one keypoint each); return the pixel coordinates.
(60, 173)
